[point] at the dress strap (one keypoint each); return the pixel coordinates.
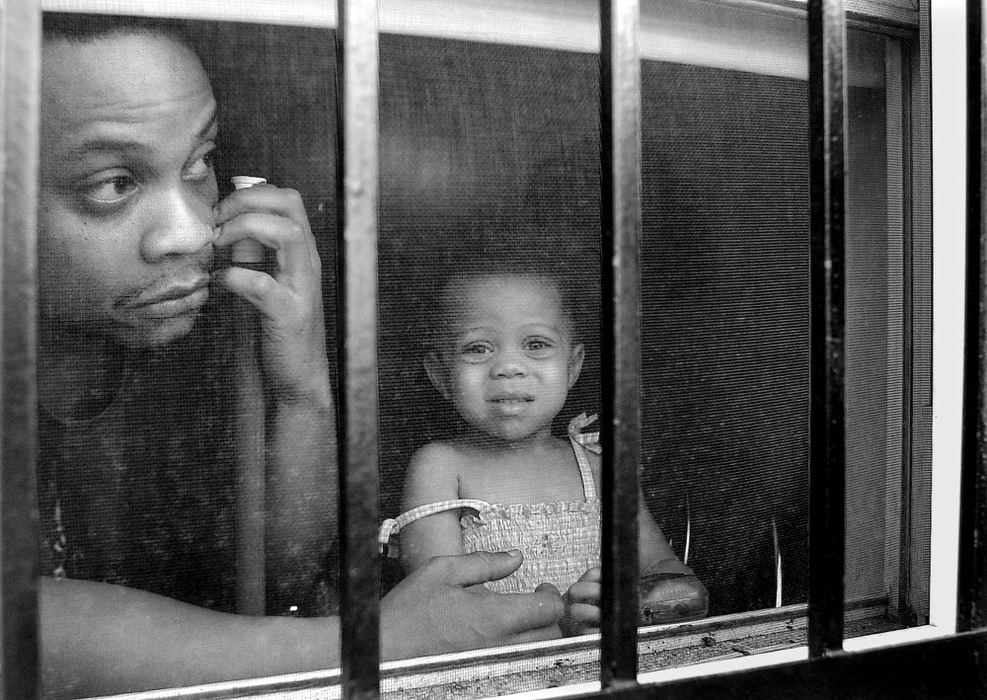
(580, 443)
(391, 526)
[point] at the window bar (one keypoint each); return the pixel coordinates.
(20, 61)
(620, 176)
(357, 185)
(827, 440)
(972, 588)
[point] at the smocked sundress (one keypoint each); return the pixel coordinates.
(559, 540)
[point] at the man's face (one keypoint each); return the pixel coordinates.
(127, 187)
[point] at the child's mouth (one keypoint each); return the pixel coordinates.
(511, 400)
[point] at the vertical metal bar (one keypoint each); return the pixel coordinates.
(918, 287)
(357, 184)
(971, 609)
(20, 81)
(827, 438)
(910, 316)
(251, 514)
(250, 511)
(620, 141)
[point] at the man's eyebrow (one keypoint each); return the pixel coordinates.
(210, 123)
(107, 145)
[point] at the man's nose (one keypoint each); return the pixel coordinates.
(181, 223)
(509, 364)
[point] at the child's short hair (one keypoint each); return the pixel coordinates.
(533, 266)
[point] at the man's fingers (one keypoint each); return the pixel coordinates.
(531, 611)
(479, 567)
(260, 289)
(279, 201)
(294, 247)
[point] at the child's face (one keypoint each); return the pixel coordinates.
(508, 361)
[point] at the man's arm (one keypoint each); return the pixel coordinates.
(98, 638)
(301, 499)
(301, 440)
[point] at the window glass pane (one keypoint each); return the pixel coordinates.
(888, 463)
(726, 316)
(490, 147)
(142, 416)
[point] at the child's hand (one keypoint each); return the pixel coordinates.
(670, 593)
(582, 604)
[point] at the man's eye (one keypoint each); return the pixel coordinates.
(201, 167)
(112, 189)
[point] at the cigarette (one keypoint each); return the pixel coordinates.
(247, 251)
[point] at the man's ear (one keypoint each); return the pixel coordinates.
(575, 363)
(435, 368)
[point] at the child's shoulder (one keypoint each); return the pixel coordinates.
(447, 456)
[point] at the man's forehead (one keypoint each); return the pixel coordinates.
(106, 88)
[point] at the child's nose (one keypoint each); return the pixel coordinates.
(509, 365)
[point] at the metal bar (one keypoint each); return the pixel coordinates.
(897, 459)
(620, 175)
(251, 438)
(971, 609)
(357, 185)
(908, 349)
(827, 438)
(20, 81)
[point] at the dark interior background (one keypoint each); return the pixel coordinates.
(494, 150)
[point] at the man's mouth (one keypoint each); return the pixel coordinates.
(175, 300)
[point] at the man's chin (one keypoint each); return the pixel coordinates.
(164, 332)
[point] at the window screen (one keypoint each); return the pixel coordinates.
(490, 151)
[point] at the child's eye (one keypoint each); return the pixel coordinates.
(477, 349)
(111, 190)
(476, 352)
(538, 346)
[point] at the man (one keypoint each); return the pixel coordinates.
(130, 222)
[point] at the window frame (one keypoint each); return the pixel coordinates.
(834, 666)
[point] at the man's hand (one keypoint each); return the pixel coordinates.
(582, 604)
(289, 299)
(300, 440)
(441, 608)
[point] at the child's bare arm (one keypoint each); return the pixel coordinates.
(433, 476)
(670, 591)
(652, 545)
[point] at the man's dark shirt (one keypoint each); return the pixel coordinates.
(144, 489)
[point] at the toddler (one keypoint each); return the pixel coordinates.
(505, 357)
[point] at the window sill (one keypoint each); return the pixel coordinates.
(566, 667)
